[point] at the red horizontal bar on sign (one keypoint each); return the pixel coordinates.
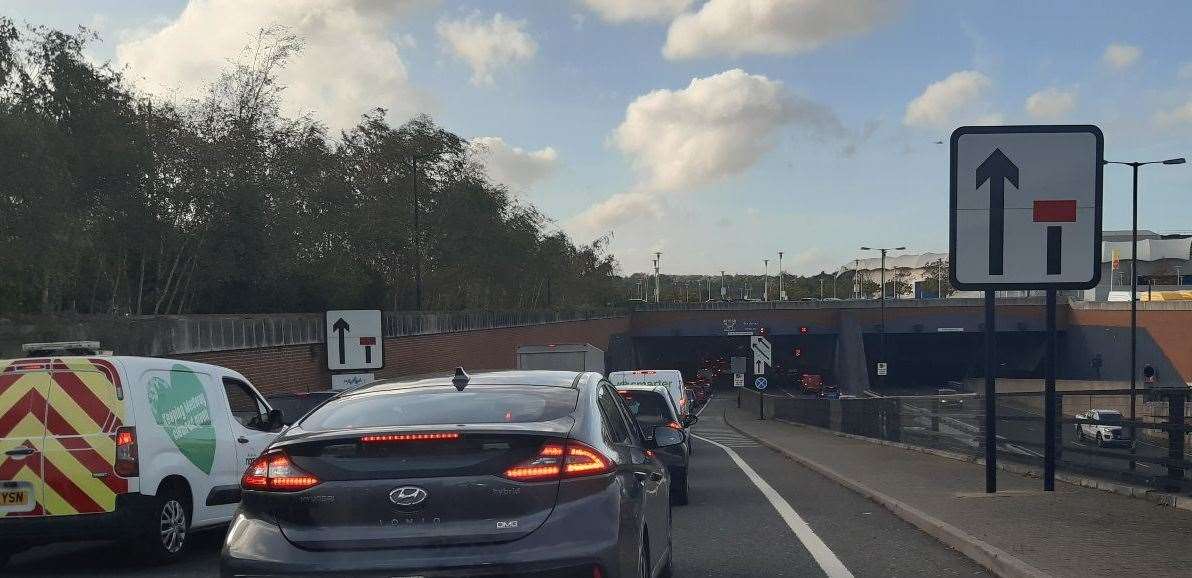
(373, 340)
(1055, 211)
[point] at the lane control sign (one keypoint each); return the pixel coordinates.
(354, 340)
(761, 354)
(761, 383)
(1026, 207)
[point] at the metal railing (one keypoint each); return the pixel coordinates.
(1157, 458)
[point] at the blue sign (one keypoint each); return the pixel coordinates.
(760, 383)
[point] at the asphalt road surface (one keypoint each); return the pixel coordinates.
(730, 528)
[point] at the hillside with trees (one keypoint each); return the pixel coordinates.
(115, 202)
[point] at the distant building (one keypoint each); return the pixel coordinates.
(1164, 262)
(909, 270)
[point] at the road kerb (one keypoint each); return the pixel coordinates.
(994, 559)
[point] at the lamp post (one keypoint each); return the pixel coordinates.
(882, 338)
(781, 291)
(766, 283)
(1134, 285)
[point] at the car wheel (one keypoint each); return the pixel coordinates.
(168, 527)
(1100, 441)
(678, 492)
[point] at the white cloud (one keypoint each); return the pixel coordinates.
(1120, 56)
(717, 126)
(486, 45)
(617, 11)
(349, 64)
(1181, 114)
(943, 103)
(737, 27)
(681, 140)
(1051, 103)
(514, 166)
(613, 212)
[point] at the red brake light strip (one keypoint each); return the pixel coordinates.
(409, 437)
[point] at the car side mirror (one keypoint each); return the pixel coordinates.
(276, 419)
(666, 436)
(689, 420)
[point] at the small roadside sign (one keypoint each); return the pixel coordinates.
(1026, 207)
(739, 364)
(759, 367)
(354, 340)
(882, 368)
(760, 383)
(738, 380)
(342, 381)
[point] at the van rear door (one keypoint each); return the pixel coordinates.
(24, 386)
(86, 405)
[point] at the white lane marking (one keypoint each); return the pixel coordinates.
(706, 404)
(828, 562)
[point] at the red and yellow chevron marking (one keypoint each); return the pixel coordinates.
(67, 410)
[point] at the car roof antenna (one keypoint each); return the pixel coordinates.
(460, 381)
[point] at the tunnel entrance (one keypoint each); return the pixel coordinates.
(794, 355)
(920, 363)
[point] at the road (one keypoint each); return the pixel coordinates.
(730, 528)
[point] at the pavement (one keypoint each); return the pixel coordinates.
(730, 528)
(1074, 531)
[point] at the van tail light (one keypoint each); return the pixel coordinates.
(126, 465)
(274, 472)
(557, 461)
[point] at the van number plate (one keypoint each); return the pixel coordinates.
(16, 497)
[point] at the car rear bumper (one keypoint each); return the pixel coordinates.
(24, 531)
(577, 536)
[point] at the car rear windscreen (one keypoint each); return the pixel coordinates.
(444, 405)
(647, 406)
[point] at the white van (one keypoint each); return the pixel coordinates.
(137, 449)
(672, 379)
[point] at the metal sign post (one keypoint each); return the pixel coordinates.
(1025, 213)
(760, 383)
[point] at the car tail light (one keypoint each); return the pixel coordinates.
(275, 472)
(126, 465)
(556, 460)
(673, 424)
(410, 437)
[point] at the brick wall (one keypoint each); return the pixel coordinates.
(303, 367)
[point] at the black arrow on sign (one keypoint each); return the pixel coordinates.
(340, 327)
(997, 169)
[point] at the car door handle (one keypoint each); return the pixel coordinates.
(242, 439)
(640, 475)
(21, 451)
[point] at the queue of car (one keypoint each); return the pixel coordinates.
(551, 472)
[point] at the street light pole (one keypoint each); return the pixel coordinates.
(766, 283)
(781, 291)
(1134, 288)
(882, 336)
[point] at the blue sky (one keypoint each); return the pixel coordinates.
(840, 164)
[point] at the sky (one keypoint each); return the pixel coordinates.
(717, 132)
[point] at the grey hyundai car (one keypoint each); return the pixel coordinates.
(518, 473)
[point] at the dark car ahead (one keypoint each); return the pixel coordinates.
(295, 405)
(525, 473)
(652, 407)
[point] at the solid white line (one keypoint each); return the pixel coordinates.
(705, 406)
(828, 562)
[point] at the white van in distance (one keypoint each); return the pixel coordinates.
(671, 379)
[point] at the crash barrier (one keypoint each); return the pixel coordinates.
(1157, 457)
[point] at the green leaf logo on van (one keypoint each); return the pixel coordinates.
(180, 407)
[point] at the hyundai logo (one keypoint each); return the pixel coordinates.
(408, 496)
